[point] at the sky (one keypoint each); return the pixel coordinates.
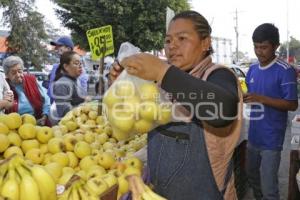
(251, 13)
(221, 16)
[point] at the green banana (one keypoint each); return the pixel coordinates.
(10, 187)
(28, 187)
(45, 182)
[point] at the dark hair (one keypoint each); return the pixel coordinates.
(64, 59)
(201, 24)
(266, 32)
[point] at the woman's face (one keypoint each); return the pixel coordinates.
(183, 46)
(15, 74)
(74, 68)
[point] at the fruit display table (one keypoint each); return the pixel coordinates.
(293, 191)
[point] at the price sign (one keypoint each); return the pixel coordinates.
(101, 41)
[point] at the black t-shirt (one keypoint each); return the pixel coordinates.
(214, 101)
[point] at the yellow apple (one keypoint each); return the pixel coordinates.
(106, 160)
(123, 121)
(89, 137)
(119, 134)
(110, 98)
(149, 92)
(29, 144)
(61, 158)
(14, 138)
(86, 108)
(164, 114)
(100, 120)
(56, 145)
(134, 162)
(44, 148)
(108, 130)
(90, 123)
(44, 134)
(13, 121)
(27, 131)
(71, 125)
(86, 162)
(35, 155)
(77, 111)
(108, 145)
(73, 160)
(124, 89)
(69, 140)
(28, 119)
(102, 138)
(3, 128)
(13, 150)
(148, 110)
(142, 126)
(95, 171)
(63, 129)
(82, 149)
(93, 114)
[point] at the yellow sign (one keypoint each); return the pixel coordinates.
(101, 41)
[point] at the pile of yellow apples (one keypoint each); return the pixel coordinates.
(134, 109)
(81, 144)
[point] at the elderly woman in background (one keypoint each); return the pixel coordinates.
(66, 92)
(6, 95)
(29, 96)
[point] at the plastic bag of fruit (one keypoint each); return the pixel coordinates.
(133, 105)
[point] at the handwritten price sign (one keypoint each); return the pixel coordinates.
(101, 41)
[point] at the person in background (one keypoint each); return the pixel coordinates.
(6, 95)
(66, 92)
(62, 45)
(272, 92)
(29, 96)
(191, 159)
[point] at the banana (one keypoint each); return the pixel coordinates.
(28, 187)
(45, 182)
(65, 195)
(146, 196)
(153, 194)
(3, 172)
(75, 194)
(10, 187)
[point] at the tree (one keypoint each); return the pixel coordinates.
(141, 22)
(294, 48)
(26, 31)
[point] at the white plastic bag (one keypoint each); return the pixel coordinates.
(133, 105)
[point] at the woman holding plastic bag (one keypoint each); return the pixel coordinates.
(192, 159)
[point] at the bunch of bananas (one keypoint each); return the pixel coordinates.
(141, 191)
(79, 189)
(25, 181)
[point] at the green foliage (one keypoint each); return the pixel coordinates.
(26, 31)
(141, 22)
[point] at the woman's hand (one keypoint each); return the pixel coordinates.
(114, 72)
(8, 96)
(42, 120)
(145, 66)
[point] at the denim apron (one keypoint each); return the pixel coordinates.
(179, 164)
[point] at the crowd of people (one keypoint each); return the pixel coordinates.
(191, 158)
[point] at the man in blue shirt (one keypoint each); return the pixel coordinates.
(272, 92)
